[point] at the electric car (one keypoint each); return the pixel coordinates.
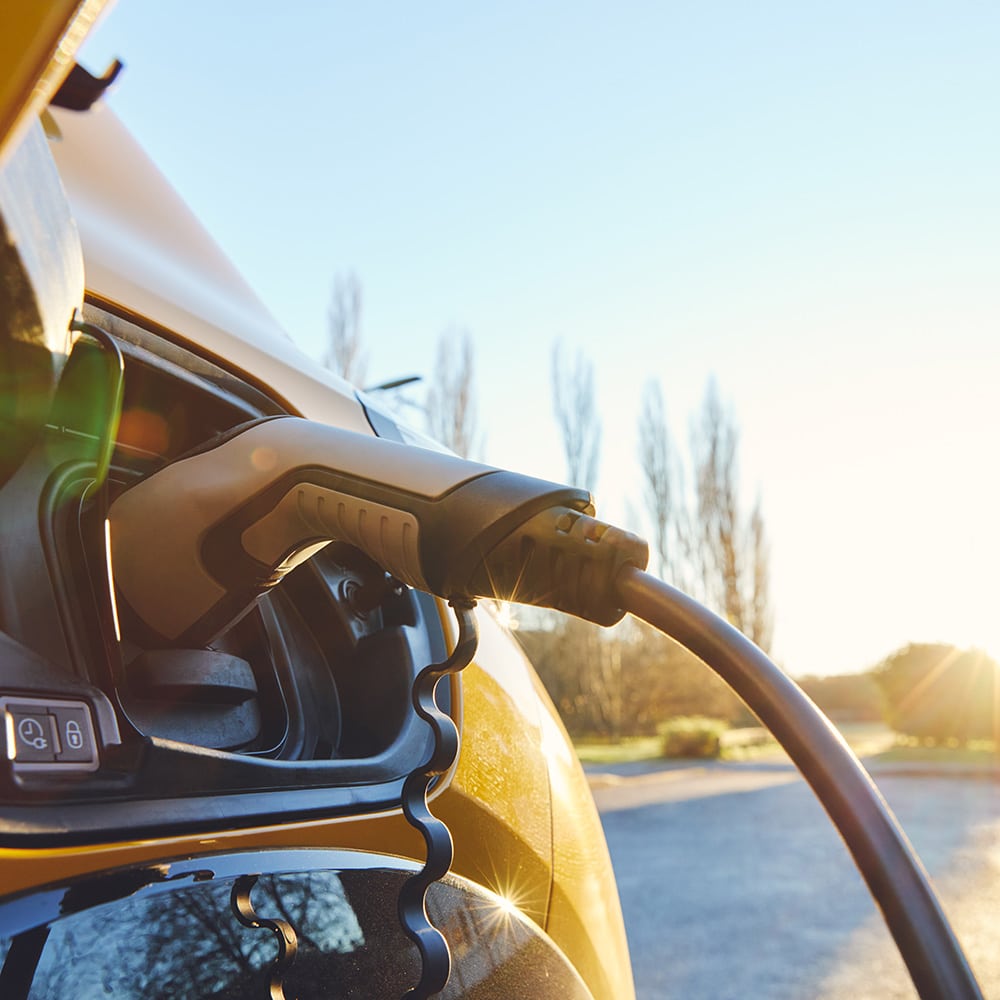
(246, 749)
(225, 818)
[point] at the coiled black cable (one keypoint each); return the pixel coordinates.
(435, 955)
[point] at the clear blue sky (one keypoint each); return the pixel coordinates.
(802, 199)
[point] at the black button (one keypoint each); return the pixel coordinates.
(76, 736)
(49, 735)
(34, 737)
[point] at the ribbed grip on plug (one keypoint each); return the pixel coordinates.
(388, 535)
(562, 559)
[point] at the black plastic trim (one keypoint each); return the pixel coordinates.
(155, 787)
(81, 90)
(211, 789)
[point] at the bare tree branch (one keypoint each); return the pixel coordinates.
(345, 354)
(451, 402)
(663, 487)
(576, 416)
(732, 553)
(761, 619)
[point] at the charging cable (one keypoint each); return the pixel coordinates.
(890, 867)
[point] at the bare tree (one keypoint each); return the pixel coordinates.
(451, 402)
(663, 489)
(713, 449)
(732, 557)
(576, 415)
(623, 683)
(345, 354)
(628, 682)
(761, 620)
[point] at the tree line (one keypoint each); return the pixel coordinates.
(448, 406)
(702, 537)
(702, 540)
(933, 692)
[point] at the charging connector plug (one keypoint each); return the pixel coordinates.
(196, 543)
(562, 559)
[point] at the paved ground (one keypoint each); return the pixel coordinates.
(735, 885)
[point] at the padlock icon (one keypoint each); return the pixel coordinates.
(74, 735)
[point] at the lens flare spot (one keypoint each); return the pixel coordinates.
(264, 459)
(144, 430)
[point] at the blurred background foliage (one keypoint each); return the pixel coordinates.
(634, 682)
(937, 692)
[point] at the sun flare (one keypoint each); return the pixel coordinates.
(505, 615)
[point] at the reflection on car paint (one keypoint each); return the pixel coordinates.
(161, 932)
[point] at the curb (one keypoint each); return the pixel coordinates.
(674, 770)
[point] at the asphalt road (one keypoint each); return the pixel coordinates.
(735, 885)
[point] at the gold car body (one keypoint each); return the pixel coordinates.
(517, 803)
